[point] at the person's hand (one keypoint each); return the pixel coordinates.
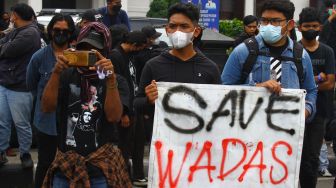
(151, 92)
(125, 121)
(103, 64)
(332, 16)
(306, 114)
(272, 85)
(323, 77)
(61, 64)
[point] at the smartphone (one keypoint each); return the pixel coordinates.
(80, 58)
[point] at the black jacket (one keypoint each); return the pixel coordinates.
(16, 49)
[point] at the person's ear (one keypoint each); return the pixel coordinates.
(291, 25)
(197, 31)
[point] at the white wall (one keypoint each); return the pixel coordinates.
(138, 8)
(249, 7)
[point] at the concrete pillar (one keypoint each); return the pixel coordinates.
(35, 4)
(249, 7)
(98, 3)
(124, 4)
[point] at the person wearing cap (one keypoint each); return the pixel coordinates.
(124, 64)
(87, 101)
(59, 29)
(112, 14)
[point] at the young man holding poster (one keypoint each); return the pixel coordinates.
(279, 63)
(323, 62)
(181, 64)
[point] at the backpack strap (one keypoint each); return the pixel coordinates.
(297, 59)
(253, 48)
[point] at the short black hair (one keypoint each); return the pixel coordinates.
(118, 34)
(89, 15)
(286, 7)
(24, 11)
(60, 17)
(328, 3)
(187, 9)
(309, 14)
(136, 37)
(250, 19)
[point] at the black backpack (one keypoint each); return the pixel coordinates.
(252, 46)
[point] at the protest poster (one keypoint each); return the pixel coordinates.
(226, 136)
(209, 12)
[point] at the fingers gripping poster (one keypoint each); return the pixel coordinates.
(226, 136)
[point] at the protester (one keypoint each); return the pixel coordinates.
(118, 33)
(181, 64)
(16, 101)
(60, 29)
(323, 61)
(88, 17)
(124, 64)
(328, 33)
(275, 22)
(86, 99)
(4, 21)
(250, 29)
(113, 14)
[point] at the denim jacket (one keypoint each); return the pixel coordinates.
(261, 71)
(38, 74)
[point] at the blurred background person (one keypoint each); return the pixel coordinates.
(250, 29)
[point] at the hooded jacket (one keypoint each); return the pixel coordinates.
(16, 49)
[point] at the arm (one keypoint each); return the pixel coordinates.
(327, 27)
(145, 80)
(329, 72)
(232, 70)
(125, 20)
(112, 106)
(50, 93)
(20, 45)
(310, 87)
(328, 84)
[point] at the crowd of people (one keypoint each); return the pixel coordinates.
(91, 121)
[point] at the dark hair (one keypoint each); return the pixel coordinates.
(136, 37)
(250, 19)
(284, 6)
(309, 14)
(24, 11)
(89, 15)
(187, 9)
(60, 17)
(328, 3)
(118, 34)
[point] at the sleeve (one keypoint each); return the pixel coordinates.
(33, 76)
(125, 20)
(232, 70)
(146, 78)
(325, 33)
(21, 44)
(330, 61)
(309, 85)
(123, 92)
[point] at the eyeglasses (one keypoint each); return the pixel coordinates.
(58, 30)
(272, 21)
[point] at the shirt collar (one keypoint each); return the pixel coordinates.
(263, 46)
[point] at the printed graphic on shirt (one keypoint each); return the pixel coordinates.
(83, 119)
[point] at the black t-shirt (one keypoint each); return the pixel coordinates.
(82, 126)
(323, 61)
(276, 51)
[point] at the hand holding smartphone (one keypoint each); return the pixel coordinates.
(78, 58)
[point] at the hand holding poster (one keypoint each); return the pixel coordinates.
(226, 136)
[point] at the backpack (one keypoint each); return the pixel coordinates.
(253, 48)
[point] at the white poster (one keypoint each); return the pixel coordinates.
(226, 136)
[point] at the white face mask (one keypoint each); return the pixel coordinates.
(180, 39)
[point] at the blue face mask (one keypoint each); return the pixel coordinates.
(270, 33)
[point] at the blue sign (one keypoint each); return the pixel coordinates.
(209, 10)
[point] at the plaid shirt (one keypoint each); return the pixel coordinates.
(107, 158)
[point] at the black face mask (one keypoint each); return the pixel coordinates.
(310, 34)
(61, 39)
(116, 8)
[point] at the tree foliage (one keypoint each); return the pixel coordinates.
(158, 8)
